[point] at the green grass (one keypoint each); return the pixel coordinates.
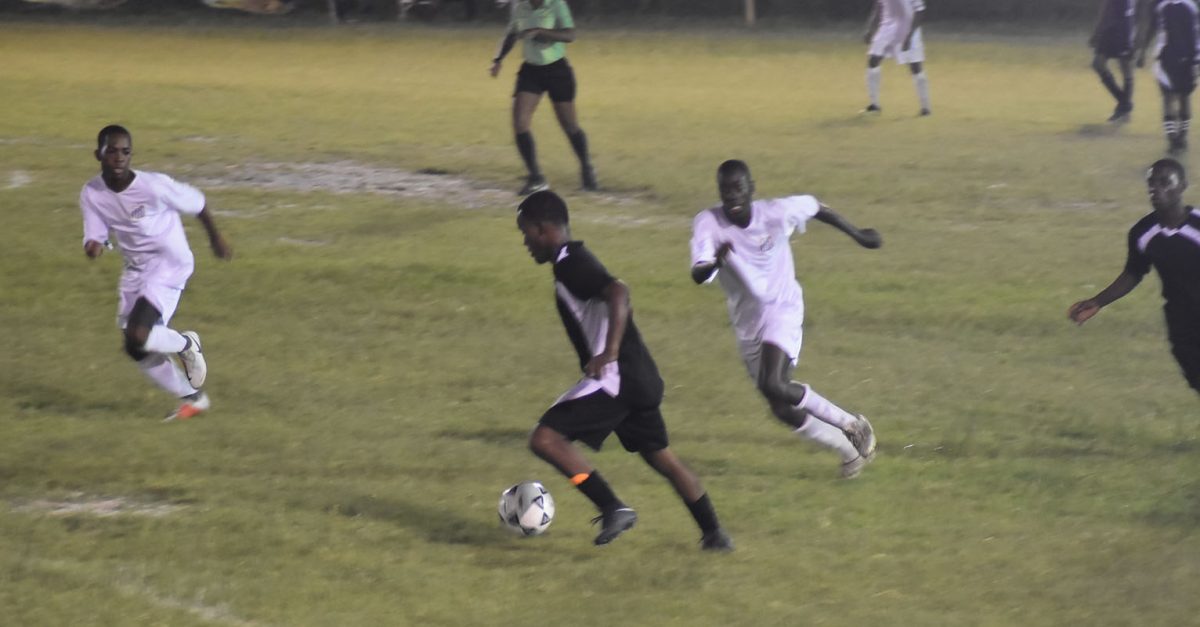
(372, 393)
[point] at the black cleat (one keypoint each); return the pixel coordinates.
(716, 540)
(925, 113)
(588, 179)
(614, 523)
(535, 183)
(1120, 115)
(872, 109)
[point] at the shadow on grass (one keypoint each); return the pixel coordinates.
(1180, 509)
(507, 437)
(439, 525)
(1099, 130)
(32, 398)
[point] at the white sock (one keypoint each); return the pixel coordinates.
(874, 76)
(163, 339)
(819, 406)
(828, 436)
(922, 83)
(166, 375)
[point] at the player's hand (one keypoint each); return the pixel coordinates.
(595, 366)
(221, 248)
(495, 69)
(1083, 310)
(907, 45)
(93, 249)
(723, 251)
(536, 34)
(869, 238)
(1140, 61)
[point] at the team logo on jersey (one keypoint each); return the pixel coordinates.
(138, 212)
(765, 243)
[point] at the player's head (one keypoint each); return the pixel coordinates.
(542, 218)
(735, 187)
(1165, 181)
(114, 150)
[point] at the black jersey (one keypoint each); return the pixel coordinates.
(1175, 255)
(579, 282)
(1117, 15)
(1178, 25)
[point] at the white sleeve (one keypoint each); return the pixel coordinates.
(180, 196)
(704, 241)
(918, 5)
(94, 228)
(799, 210)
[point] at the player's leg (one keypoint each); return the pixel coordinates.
(1100, 66)
(562, 94)
(1185, 120)
(150, 343)
(1184, 335)
(687, 486)
(874, 79)
(525, 102)
(921, 82)
(774, 381)
(1125, 64)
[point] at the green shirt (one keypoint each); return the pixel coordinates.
(552, 14)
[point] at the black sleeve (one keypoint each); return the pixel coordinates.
(1136, 263)
(582, 274)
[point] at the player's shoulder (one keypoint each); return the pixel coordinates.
(709, 216)
(93, 185)
(783, 204)
(1143, 225)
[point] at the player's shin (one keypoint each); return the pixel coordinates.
(922, 84)
(166, 375)
(828, 436)
(820, 407)
(593, 486)
(874, 77)
(163, 339)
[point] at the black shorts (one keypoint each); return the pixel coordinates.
(591, 418)
(1115, 42)
(557, 78)
(1177, 76)
(1185, 346)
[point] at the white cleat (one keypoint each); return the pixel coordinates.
(854, 467)
(192, 360)
(190, 408)
(862, 436)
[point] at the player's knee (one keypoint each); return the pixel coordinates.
(773, 388)
(542, 439)
(135, 343)
(1099, 65)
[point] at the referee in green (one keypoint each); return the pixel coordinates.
(546, 27)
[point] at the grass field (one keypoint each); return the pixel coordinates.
(378, 355)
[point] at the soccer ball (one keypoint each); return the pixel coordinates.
(526, 508)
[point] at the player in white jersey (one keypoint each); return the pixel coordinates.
(744, 244)
(140, 210)
(894, 30)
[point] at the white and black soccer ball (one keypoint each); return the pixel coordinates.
(526, 508)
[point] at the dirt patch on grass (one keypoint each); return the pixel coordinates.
(80, 504)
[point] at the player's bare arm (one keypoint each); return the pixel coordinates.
(617, 297)
(547, 35)
(1083, 310)
(1145, 22)
(872, 23)
(506, 45)
(216, 241)
(702, 271)
(918, 18)
(867, 238)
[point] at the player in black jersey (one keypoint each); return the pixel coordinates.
(621, 389)
(1169, 241)
(1177, 55)
(1113, 38)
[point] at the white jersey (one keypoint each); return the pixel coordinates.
(898, 11)
(144, 221)
(758, 274)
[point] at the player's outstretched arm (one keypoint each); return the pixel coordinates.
(867, 238)
(215, 240)
(1083, 310)
(506, 44)
(617, 297)
(702, 272)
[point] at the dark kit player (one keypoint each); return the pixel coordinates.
(1169, 240)
(1113, 38)
(621, 389)
(1176, 29)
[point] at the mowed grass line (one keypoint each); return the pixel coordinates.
(373, 390)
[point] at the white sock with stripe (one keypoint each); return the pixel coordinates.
(1169, 127)
(165, 374)
(828, 436)
(874, 77)
(163, 339)
(819, 406)
(922, 83)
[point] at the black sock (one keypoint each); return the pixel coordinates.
(597, 490)
(702, 510)
(579, 143)
(1110, 84)
(528, 153)
(1127, 93)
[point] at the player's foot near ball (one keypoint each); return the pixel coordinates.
(536, 183)
(871, 109)
(613, 523)
(862, 436)
(588, 179)
(716, 540)
(854, 467)
(191, 407)
(192, 360)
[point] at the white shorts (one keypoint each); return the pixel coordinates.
(134, 286)
(889, 40)
(782, 328)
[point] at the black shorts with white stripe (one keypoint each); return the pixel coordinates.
(592, 417)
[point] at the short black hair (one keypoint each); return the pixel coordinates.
(543, 206)
(1170, 164)
(109, 131)
(733, 166)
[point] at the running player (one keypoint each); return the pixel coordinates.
(140, 210)
(546, 27)
(1113, 38)
(1167, 239)
(621, 389)
(894, 30)
(1176, 55)
(744, 243)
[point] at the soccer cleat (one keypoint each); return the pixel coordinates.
(871, 108)
(588, 179)
(716, 540)
(191, 407)
(192, 360)
(925, 113)
(613, 523)
(535, 183)
(862, 436)
(1119, 116)
(854, 467)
